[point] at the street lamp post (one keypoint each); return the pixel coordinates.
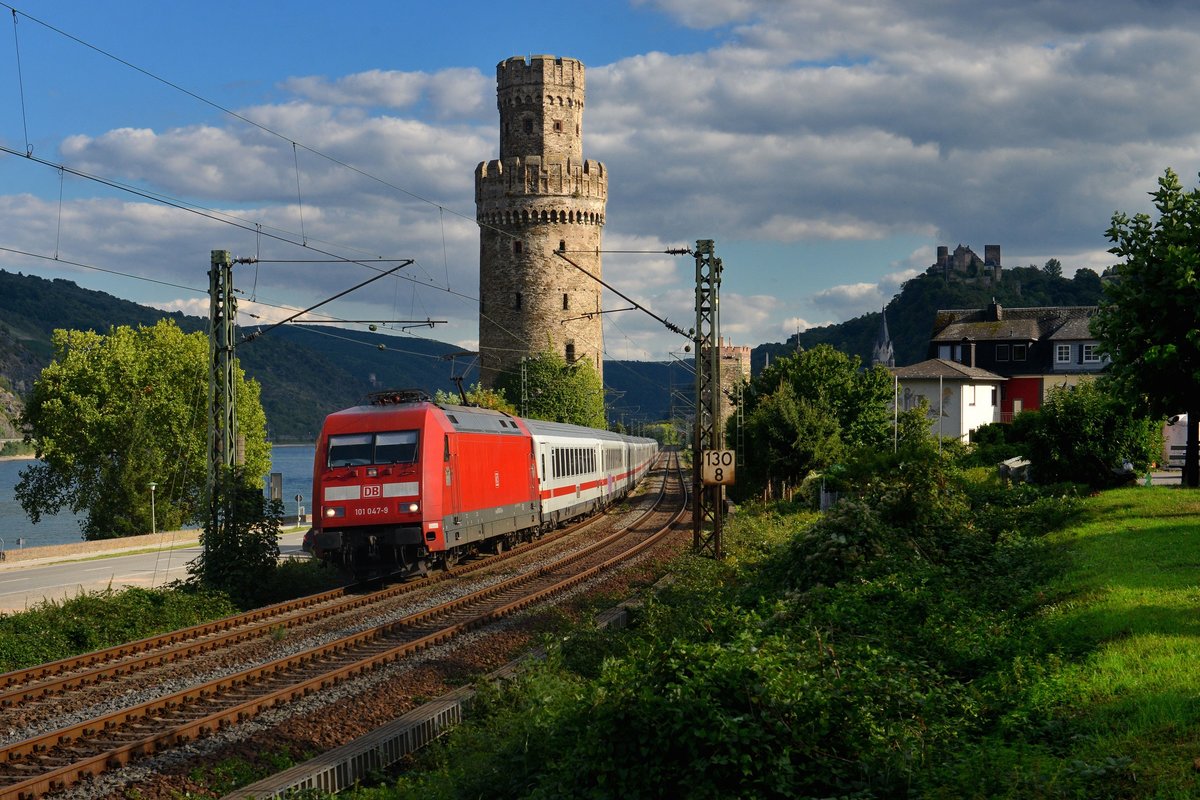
(153, 519)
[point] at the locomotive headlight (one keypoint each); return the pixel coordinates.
(413, 508)
(334, 511)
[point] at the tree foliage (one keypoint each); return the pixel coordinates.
(115, 412)
(1149, 320)
(1085, 434)
(477, 396)
(805, 410)
(558, 391)
(240, 540)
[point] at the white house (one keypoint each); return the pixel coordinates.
(960, 398)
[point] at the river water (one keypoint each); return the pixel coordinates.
(293, 461)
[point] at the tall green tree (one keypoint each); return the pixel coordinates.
(116, 412)
(806, 409)
(1149, 319)
(557, 391)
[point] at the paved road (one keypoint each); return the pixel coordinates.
(26, 585)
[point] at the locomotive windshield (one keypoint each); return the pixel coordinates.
(360, 449)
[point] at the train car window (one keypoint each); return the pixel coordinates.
(398, 447)
(350, 450)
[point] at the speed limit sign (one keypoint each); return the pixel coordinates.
(717, 467)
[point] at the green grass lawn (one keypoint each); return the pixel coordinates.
(1125, 620)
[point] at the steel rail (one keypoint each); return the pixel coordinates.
(188, 701)
(22, 686)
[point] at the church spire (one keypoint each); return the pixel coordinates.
(883, 352)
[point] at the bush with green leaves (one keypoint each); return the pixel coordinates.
(58, 629)
(1084, 434)
(856, 654)
(240, 542)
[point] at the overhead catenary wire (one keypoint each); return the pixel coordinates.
(304, 240)
(230, 112)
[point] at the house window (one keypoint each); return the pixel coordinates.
(517, 301)
(1018, 352)
(529, 126)
(1062, 353)
(517, 247)
(566, 301)
(562, 245)
(970, 395)
(944, 351)
(571, 353)
(558, 126)
(993, 398)
(1091, 353)
(1002, 352)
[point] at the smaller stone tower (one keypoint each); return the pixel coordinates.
(540, 196)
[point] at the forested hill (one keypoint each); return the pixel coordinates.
(305, 371)
(308, 371)
(911, 313)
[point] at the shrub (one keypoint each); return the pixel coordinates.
(1084, 434)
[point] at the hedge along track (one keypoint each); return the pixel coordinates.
(22, 687)
(57, 760)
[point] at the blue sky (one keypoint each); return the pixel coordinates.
(827, 146)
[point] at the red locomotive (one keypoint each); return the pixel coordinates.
(406, 484)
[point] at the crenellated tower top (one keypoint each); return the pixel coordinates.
(541, 107)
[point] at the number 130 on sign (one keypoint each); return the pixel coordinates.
(717, 467)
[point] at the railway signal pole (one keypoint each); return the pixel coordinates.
(708, 509)
(222, 413)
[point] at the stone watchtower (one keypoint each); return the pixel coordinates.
(538, 197)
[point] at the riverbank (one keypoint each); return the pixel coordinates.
(27, 556)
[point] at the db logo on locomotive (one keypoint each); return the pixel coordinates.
(372, 491)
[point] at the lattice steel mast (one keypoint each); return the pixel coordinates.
(707, 501)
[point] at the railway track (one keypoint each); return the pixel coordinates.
(21, 688)
(58, 759)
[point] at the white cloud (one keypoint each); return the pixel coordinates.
(823, 121)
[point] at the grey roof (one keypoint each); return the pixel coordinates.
(1074, 328)
(1016, 324)
(945, 369)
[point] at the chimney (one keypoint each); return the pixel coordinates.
(968, 352)
(995, 311)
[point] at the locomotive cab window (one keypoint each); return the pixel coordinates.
(350, 450)
(360, 449)
(399, 447)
